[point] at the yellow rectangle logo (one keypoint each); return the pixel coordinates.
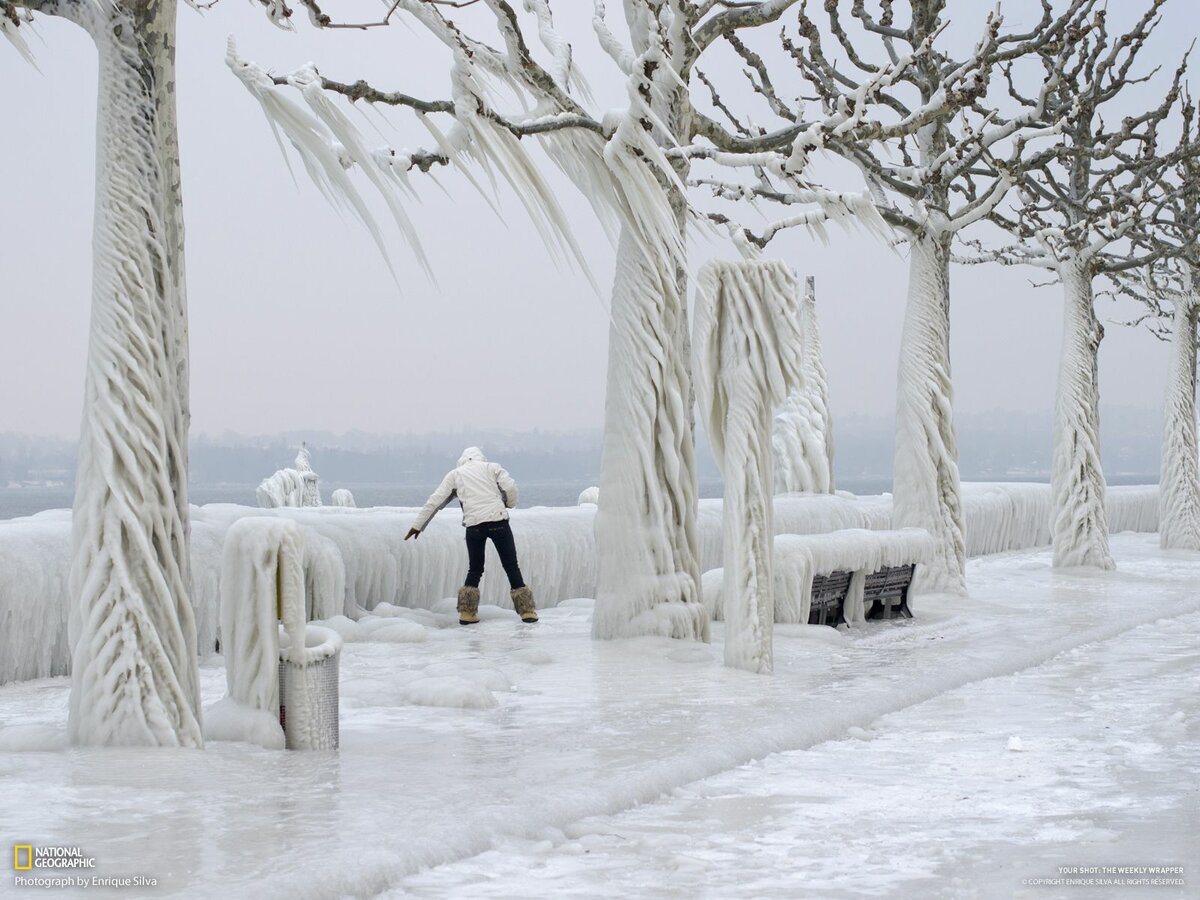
(17, 848)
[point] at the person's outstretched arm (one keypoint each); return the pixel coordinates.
(508, 487)
(438, 499)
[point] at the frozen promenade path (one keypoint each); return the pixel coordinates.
(902, 784)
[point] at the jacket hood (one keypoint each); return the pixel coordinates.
(471, 453)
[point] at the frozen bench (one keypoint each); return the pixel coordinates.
(885, 593)
(846, 576)
(838, 577)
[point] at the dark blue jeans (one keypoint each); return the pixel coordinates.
(502, 537)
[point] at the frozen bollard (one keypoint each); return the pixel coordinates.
(308, 689)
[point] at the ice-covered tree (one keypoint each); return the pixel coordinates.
(634, 166)
(135, 679)
(802, 430)
(929, 184)
(1082, 203)
(1169, 287)
(1179, 481)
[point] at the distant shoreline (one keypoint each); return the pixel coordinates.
(16, 502)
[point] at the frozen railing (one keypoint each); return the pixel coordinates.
(357, 557)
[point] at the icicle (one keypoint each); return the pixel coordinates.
(12, 31)
(311, 140)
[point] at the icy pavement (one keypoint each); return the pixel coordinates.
(513, 758)
(1085, 761)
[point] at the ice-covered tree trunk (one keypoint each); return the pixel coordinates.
(1179, 484)
(748, 350)
(925, 472)
(1079, 525)
(135, 679)
(646, 539)
(802, 430)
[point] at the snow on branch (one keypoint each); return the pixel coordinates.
(932, 157)
(1099, 195)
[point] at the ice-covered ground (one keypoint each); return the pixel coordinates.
(516, 761)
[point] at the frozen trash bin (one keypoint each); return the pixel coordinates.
(308, 689)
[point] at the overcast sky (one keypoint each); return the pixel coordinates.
(296, 322)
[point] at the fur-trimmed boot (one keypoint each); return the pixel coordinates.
(468, 605)
(522, 599)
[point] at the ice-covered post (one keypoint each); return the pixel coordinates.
(747, 353)
(262, 583)
(311, 494)
(802, 431)
(135, 679)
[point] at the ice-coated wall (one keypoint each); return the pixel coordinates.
(357, 557)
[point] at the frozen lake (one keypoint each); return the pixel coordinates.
(517, 761)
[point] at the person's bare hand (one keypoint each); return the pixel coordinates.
(412, 533)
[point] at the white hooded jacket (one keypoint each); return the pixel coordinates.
(485, 491)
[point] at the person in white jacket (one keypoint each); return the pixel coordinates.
(486, 493)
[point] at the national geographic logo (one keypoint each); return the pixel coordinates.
(55, 867)
(27, 857)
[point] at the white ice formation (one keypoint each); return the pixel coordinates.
(589, 496)
(343, 498)
(298, 486)
(264, 611)
(802, 430)
(355, 559)
(262, 583)
(747, 349)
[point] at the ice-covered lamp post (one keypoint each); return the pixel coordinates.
(747, 354)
